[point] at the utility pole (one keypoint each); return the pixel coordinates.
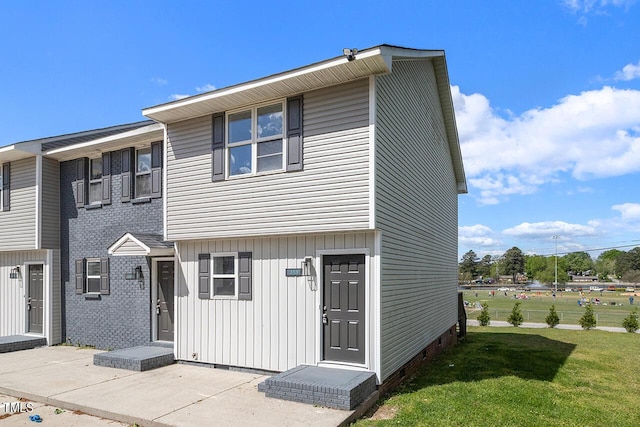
(555, 282)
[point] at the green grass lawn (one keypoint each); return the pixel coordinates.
(523, 377)
(536, 307)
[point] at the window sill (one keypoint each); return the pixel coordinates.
(92, 296)
(93, 206)
(247, 175)
(141, 200)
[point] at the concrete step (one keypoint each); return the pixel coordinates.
(141, 358)
(333, 388)
(20, 342)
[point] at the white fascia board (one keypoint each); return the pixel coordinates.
(155, 127)
(121, 241)
(309, 70)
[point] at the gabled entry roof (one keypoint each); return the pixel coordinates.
(141, 245)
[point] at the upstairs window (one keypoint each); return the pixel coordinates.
(255, 140)
(95, 180)
(143, 172)
(5, 176)
(93, 276)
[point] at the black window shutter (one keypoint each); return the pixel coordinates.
(204, 276)
(217, 147)
(156, 170)
(244, 276)
(81, 182)
(106, 178)
(104, 276)
(294, 133)
(6, 186)
(80, 275)
(127, 174)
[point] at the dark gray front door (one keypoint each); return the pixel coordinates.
(35, 299)
(343, 308)
(164, 306)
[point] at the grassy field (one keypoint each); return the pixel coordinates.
(523, 377)
(536, 307)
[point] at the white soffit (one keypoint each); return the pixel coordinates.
(122, 247)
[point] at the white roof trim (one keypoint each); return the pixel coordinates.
(149, 251)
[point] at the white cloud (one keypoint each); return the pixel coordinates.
(548, 229)
(177, 96)
(595, 6)
(206, 88)
(477, 236)
(629, 212)
(628, 72)
(159, 81)
(595, 134)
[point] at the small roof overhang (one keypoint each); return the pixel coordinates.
(137, 137)
(19, 151)
(141, 245)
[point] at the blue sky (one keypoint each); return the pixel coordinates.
(547, 93)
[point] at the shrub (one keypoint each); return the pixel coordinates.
(588, 319)
(552, 319)
(630, 323)
(484, 317)
(515, 318)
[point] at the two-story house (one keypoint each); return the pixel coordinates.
(314, 215)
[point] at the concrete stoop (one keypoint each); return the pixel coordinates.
(334, 388)
(141, 358)
(20, 342)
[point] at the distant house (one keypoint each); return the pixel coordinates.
(314, 215)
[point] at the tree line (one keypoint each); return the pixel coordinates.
(611, 264)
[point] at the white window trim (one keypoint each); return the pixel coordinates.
(94, 181)
(235, 275)
(86, 280)
(254, 141)
(136, 174)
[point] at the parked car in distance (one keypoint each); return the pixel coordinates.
(596, 288)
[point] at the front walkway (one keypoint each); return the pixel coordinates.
(502, 323)
(174, 395)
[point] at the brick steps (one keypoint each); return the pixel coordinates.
(20, 342)
(141, 358)
(334, 388)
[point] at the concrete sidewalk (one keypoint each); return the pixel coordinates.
(175, 395)
(502, 323)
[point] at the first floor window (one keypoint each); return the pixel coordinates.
(93, 276)
(225, 268)
(143, 172)
(95, 180)
(255, 140)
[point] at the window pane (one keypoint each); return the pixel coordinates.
(96, 169)
(143, 163)
(240, 127)
(93, 284)
(226, 287)
(223, 265)
(270, 121)
(240, 160)
(270, 147)
(270, 163)
(93, 268)
(143, 185)
(95, 192)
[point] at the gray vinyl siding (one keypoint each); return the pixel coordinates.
(330, 194)
(50, 208)
(416, 212)
(18, 225)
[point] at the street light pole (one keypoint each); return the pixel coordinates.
(555, 237)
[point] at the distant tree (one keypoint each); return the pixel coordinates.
(552, 318)
(513, 261)
(515, 318)
(631, 276)
(469, 264)
(630, 323)
(578, 262)
(628, 261)
(484, 319)
(534, 264)
(484, 266)
(605, 264)
(588, 319)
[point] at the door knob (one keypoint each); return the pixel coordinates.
(325, 319)
(158, 310)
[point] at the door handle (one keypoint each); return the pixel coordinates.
(325, 319)
(29, 307)
(158, 309)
